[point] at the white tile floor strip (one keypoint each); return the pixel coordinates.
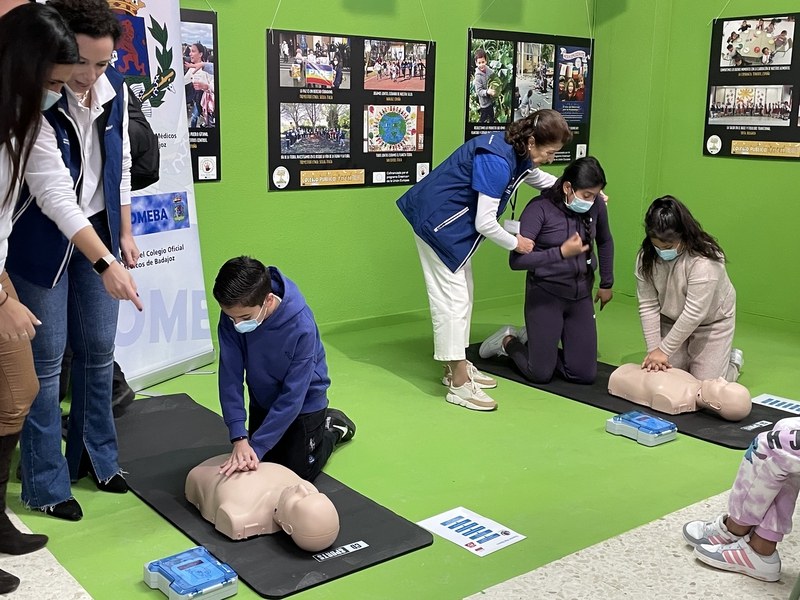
(43, 577)
(651, 562)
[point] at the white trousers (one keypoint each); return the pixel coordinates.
(450, 297)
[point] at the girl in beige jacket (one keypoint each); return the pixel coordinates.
(686, 301)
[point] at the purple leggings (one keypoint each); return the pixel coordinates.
(548, 319)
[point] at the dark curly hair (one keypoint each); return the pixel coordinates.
(669, 221)
(89, 17)
(545, 126)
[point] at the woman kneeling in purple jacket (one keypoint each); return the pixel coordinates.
(565, 222)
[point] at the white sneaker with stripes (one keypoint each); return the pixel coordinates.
(739, 557)
(711, 533)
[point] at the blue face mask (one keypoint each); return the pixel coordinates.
(250, 324)
(670, 254)
(579, 206)
(50, 97)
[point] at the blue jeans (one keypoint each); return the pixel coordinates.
(80, 307)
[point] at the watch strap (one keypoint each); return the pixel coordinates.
(101, 264)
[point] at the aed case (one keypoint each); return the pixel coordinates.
(647, 430)
(194, 574)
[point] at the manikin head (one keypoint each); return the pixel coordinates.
(730, 400)
(308, 517)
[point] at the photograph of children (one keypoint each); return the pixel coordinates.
(491, 67)
(315, 61)
(315, 129)
(573, 85)
(766, 105)
(393, 128)
(197, 45)
(534, 89)
(757, 42)
(393, 65)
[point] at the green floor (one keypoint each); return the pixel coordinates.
(541, 464)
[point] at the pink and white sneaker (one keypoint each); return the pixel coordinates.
(709, 532)
(739, 557)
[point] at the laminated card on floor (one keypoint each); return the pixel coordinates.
(474, 533)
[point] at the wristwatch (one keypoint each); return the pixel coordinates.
(103, 263)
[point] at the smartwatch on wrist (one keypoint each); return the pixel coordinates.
(103, 263)
(238, 439)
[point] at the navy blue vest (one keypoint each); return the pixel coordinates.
(37, 250)
(441, 208)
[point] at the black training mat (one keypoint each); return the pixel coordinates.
(702, 425)
(162, 438)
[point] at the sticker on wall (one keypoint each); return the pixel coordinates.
(280, 177)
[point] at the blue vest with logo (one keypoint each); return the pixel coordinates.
(442, 207)
(37, 250)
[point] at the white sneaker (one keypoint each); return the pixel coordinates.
(493, 346)
(470, 396)
(739, 557)
(709, 533)
(737, 358)
(522, 334)
(482, 380)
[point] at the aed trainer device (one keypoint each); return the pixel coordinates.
(192, 575)
(645, 429)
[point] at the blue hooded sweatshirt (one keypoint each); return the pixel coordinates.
(282, 362)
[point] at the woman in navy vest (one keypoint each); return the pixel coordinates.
(89, 125)
(565, 222)
(452, 210)
(37, 53)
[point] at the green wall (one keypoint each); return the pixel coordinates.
(648, 116)
(351, 251)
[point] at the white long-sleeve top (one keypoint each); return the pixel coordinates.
(49, 182)
(486, 217)
(92, 196)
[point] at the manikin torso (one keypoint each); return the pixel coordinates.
(676, 391)
(263, 501)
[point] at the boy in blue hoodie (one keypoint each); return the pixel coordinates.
(268, 338)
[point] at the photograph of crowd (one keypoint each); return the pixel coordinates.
(197, 46)
(750, 105)
(314, 61)
(757, 42)
(394, 65)
(314, 129)
(392, 128)
(534, 88)
(491, 66)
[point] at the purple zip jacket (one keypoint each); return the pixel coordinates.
(549, 225)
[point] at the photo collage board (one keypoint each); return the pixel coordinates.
(753, 82)
(348, 110)
(201, 81)
(513, 74)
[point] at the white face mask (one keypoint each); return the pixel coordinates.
(50, 97)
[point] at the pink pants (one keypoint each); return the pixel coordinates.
(766, 487)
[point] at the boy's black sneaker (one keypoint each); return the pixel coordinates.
(337, 421)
